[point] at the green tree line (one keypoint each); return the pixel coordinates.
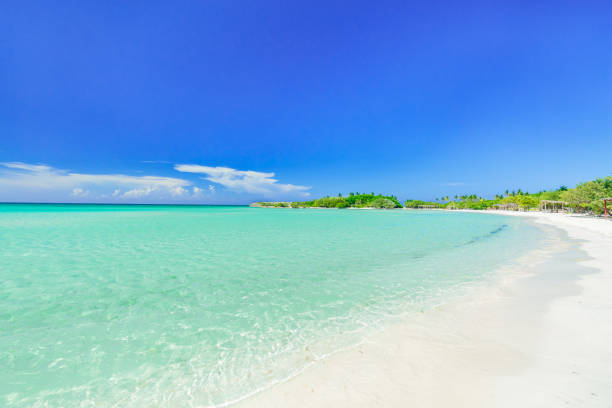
(584, 198)
(353, 200)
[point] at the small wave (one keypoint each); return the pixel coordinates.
(485, 236)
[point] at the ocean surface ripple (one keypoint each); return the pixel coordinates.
(137, 306)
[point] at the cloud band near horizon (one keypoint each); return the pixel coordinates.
(243, 180)
(42, 181)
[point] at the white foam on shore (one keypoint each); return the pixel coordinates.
(539, 337)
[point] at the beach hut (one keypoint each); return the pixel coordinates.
(552, 205)
(506, 207)
(606, 200)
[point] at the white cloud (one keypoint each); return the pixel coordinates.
(79, 192)
(41, 182)
(27, 167)
(178, 191)
(243, 180)
(35, 178)
(139, 192)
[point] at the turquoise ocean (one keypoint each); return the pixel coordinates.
(134, 306)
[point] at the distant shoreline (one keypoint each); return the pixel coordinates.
(450, 210)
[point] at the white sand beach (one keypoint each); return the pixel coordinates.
(540, 337)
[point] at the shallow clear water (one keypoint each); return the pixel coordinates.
(194, 306)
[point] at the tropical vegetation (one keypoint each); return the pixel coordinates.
(584, 198)
(353, 200)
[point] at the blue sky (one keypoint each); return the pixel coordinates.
(234, 101)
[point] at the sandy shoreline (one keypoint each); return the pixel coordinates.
(540, 338)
